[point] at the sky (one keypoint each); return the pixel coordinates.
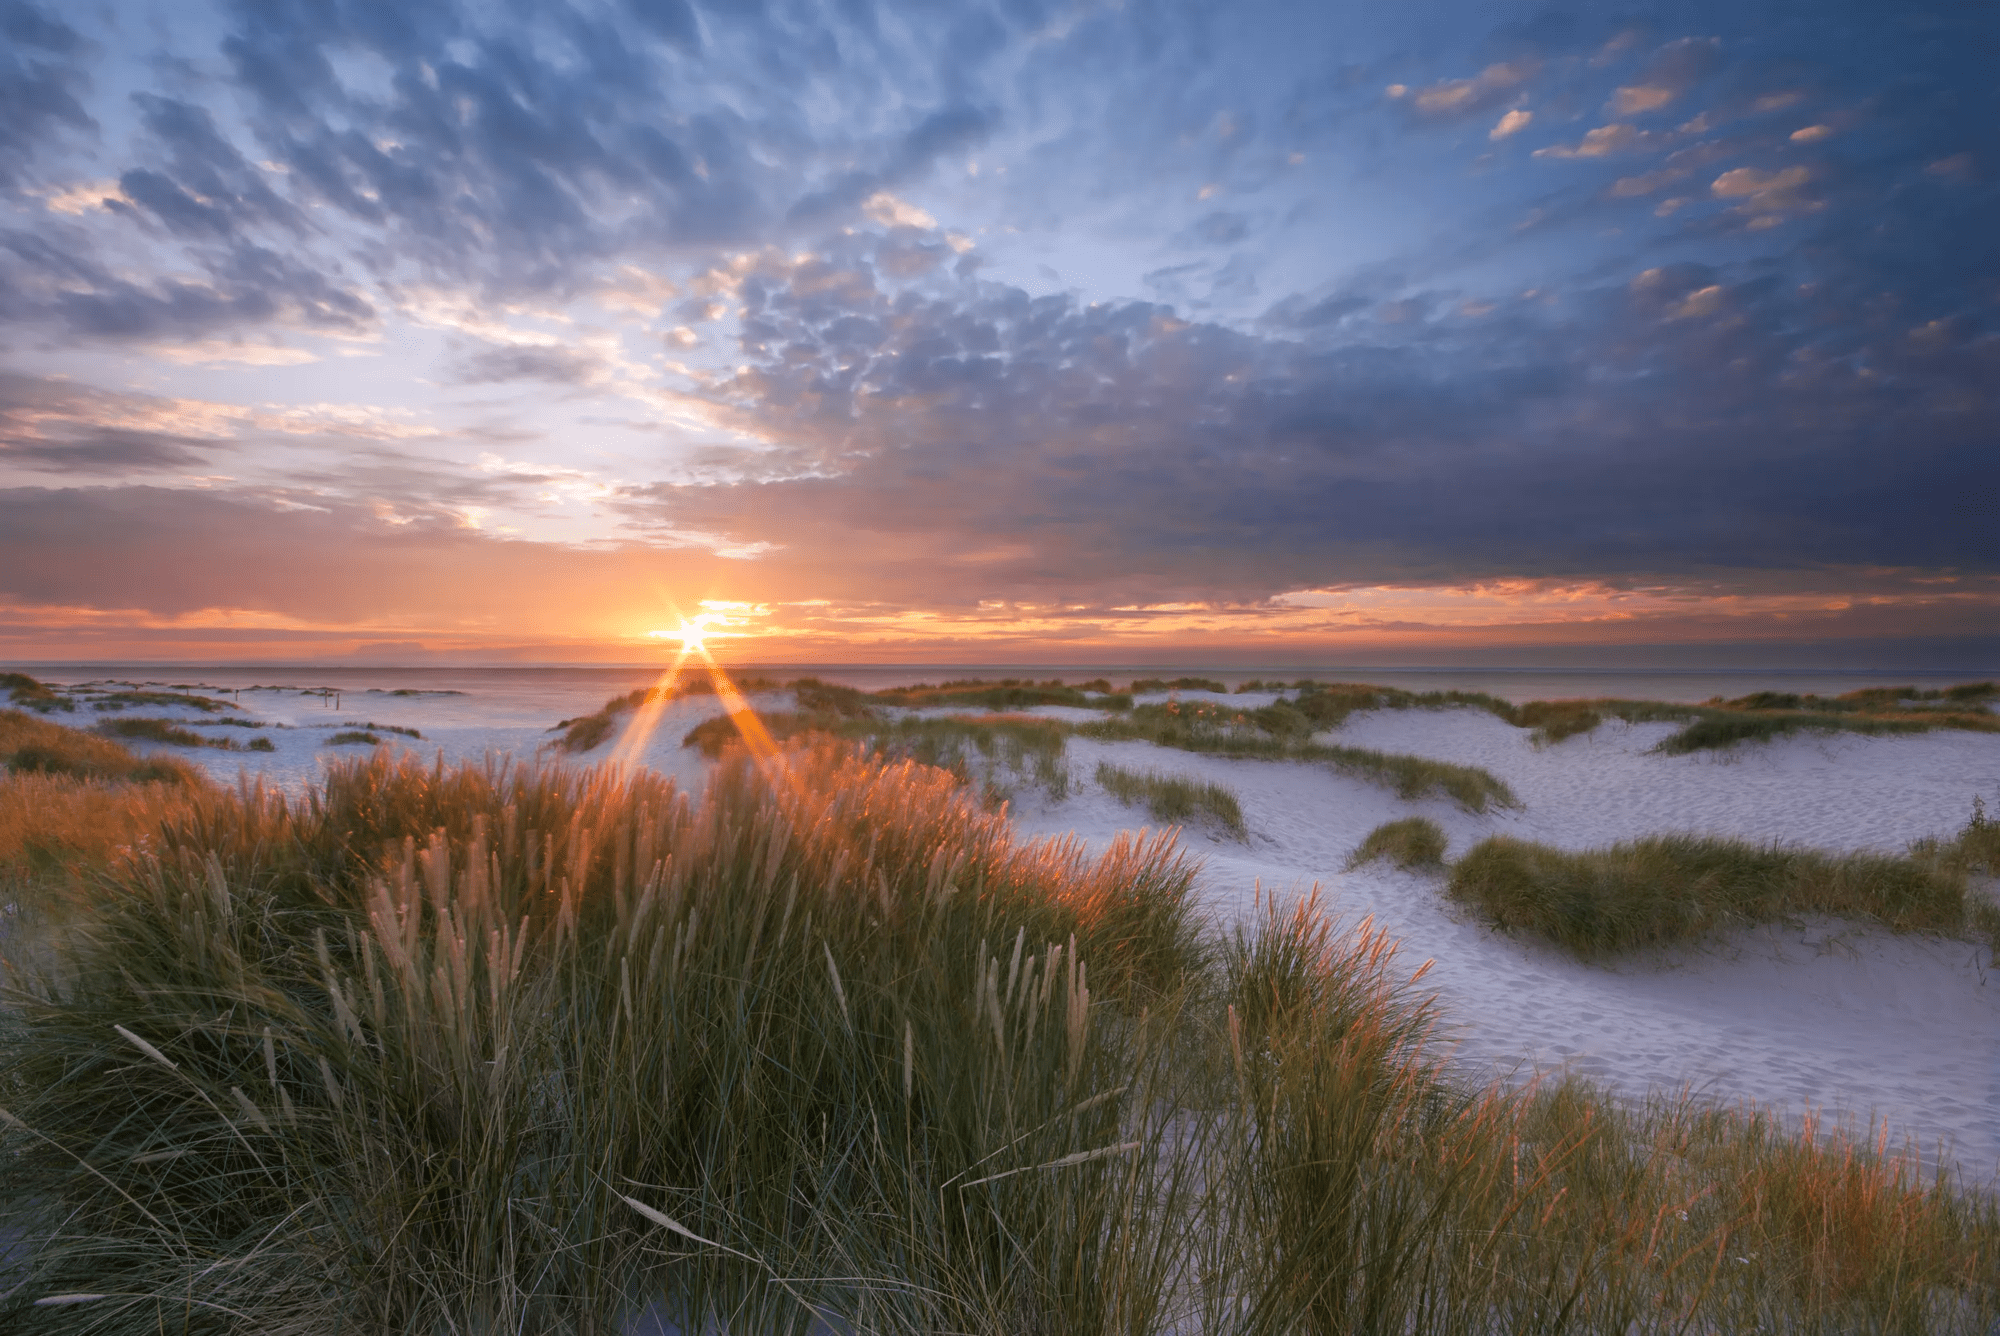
(1011, 332)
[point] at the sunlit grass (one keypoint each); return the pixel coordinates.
(587, 732)
(497, 1048)
(1174, 799)
(996, 754)
(34, 746)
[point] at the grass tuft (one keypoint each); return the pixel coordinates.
(1415, 844)
(26, 692)
(1675, 889)
(34, 746)
(499, 1048)
(1174, 799)
(1282, 732)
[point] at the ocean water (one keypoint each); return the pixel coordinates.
(514, 696)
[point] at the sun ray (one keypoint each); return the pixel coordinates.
(647, 718)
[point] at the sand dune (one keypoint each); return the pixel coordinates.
(1855, 1022)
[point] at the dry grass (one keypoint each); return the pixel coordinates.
(59, 825)
(1376, 1196)
(34, 746)
(485, 1049)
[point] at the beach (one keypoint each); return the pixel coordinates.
(1846, 1022)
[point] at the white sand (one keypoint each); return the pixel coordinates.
(1853, 1022)
(1856, 1023)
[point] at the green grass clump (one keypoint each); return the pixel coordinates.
(1673, 889)
(1174, 799)
(354, 737)
(1414, 777)
(1371, 1194)
(497, 1048)
(1146, 685)
(374, 727)
(25, 691)
(1008, 693)
(1415, 844)
(1280, 732)
(119, 700)
(160, 730)
(1727, 728)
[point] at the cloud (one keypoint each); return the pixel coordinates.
(42, 82)
(1602, 142)
(54, 427)
(1111, 451)
(1674, 69)
(553, 364)
(1512, 123)
(1453, 98)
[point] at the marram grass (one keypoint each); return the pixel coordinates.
(1174, 799)
(1666, 890)
(1415, 843)
(490, 1049)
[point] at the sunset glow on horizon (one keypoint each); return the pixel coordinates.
(1023, 334)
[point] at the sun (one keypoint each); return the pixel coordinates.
(690, 635)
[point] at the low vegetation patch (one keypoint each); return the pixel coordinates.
(503, 1048)
(1674, 889)
(1154, 685)
(34, 746)
(354, 738)
(1008, 693)
(158, 730)
(121, 700)
(1714, 724)
(586, 732)
(1415, 844)
(373, 727)
(995, 753)
(26, 692)
(1174, 799)
(1282, 732)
